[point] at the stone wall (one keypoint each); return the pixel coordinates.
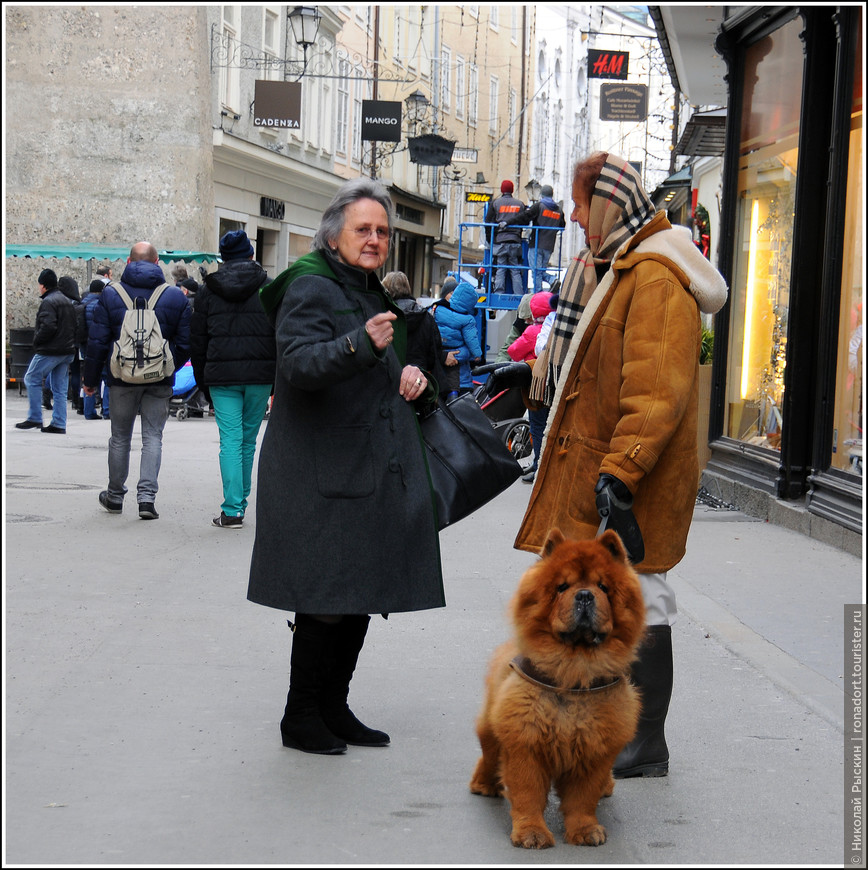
(108, 135)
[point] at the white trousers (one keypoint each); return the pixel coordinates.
(659, 599)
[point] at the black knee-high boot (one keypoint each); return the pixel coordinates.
(350, 639)
(302, 726)
(647, 753)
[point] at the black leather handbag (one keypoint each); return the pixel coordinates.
(467, 459)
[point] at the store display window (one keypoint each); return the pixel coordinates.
(847, 433)
(768, 163)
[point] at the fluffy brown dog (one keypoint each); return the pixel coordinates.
(559, 705)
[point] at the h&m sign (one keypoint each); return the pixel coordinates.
(607, 64)
(277, 105)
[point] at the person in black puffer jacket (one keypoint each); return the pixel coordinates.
(424, 344)
(234, 355)
(54, 350)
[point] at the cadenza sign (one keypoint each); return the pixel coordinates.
(277, 104)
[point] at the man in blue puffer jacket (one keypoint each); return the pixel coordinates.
(141, 277)
(458, 330)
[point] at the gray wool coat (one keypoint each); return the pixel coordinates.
(345, 521)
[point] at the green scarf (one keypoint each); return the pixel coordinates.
(271, 294)
(316, 263)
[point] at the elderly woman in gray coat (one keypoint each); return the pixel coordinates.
(345, 520)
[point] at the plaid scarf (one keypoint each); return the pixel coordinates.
(619, 208)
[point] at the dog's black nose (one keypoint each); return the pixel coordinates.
(584, 597)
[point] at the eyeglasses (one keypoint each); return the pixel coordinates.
(364, 233)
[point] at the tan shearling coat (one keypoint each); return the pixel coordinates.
(626, 401)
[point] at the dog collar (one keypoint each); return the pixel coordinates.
(523, 666)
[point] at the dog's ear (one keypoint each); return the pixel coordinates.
(611, 540)
(555, 537)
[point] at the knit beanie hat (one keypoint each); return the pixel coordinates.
(96, 286)
(506, 187)
(48, 279)
(235, 246)
(448, 286)
(546, 190)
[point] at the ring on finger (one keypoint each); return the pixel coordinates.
(418, 382)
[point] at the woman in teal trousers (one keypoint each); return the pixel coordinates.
(233, 352)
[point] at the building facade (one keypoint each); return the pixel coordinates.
(787, 384)
(148, 126)
(107, 135)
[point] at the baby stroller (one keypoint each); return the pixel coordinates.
(187, 399)
(506, 410)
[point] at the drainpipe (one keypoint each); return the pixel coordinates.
(435, 96)
(523, 95)
(375, 89)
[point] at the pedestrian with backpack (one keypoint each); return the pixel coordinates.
(141, 326)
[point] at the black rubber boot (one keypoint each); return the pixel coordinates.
(647, 753)
(351, 631)
(302, 726)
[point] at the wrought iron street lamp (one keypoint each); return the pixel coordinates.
(532, 189)
(304, 21)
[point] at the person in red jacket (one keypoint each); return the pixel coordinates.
(523, 349)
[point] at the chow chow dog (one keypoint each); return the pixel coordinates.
(559, 704)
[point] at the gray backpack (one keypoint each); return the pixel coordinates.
(141, 355)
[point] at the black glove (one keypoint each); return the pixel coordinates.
(502, 376)
(615, 507)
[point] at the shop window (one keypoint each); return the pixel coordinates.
(768, 159)
(227, 225)
(847, 434)
(298, 246)
(266, 249)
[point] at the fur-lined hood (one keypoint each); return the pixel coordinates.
(702, 279)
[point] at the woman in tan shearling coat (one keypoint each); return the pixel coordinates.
(620, 373)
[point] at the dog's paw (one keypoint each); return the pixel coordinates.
(485, 779)
(588, 835)
(532, 838)
(488, 789)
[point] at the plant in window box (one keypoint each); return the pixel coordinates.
(706, 350)
(706, 346)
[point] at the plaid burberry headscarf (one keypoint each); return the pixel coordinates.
(619, 208)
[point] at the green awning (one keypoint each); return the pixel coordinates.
(101, 252)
